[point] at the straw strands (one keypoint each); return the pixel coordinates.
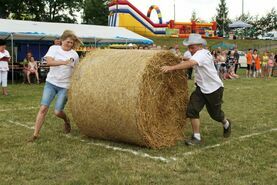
(121, 95)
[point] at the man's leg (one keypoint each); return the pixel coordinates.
(213, 105)
(195, 124)
(195, 105)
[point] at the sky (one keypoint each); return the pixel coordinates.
(205, 9)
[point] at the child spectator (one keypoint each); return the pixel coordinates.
(270, 65)
(257, 64)
(25, 63)
(32, 69)
(264, 65)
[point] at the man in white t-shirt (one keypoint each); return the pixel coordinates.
(209, 87)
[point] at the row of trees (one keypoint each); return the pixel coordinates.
(260, 25)
(93, 11)
(96, 12)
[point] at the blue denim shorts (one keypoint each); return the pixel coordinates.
(49, 93)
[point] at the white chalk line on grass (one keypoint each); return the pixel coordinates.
(20, 124)
(141, 154)
(159, 158)
(26, 108)
(229, 141)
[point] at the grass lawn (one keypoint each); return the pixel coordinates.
(247, 158)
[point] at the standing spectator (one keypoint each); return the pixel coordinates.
(236, 55)
(4, 66)
(253, 63)
(249, 62)
(57, 41)
(209, 88)
(270, 65)
(257, 60)
(61, 60)
(264, 64)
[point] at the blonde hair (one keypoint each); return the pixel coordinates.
(70, 34)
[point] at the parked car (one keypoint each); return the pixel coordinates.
(242, 59)
(270, 36)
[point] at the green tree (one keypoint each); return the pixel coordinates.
(62, 10)
(13, 9)
(45, 10)
(260, 25)
(96, 12)
(222, 19)
(194, 16)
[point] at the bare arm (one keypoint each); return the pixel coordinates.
(51, 62)
(182, 65)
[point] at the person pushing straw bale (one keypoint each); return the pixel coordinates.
(209, 87)
(121, 95)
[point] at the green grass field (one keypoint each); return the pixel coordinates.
(247, 158)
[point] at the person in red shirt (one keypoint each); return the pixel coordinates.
(257, 60)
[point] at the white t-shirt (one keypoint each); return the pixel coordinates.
(187, 54)
(60, 75)
(206, 76)
(4, 66)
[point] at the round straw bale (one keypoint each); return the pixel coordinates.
(122, 95)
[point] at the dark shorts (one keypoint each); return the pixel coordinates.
(212, 101)
(253, 67)
(248, 67)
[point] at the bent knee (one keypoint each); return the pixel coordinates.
(43, 109)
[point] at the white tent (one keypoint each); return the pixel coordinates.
(240, 24)
(31, 30)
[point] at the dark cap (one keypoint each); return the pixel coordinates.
(2, 42)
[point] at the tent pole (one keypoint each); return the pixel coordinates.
(94, 42)
(12, 57)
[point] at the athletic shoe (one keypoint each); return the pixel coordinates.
(227, 132)
(192, 141)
